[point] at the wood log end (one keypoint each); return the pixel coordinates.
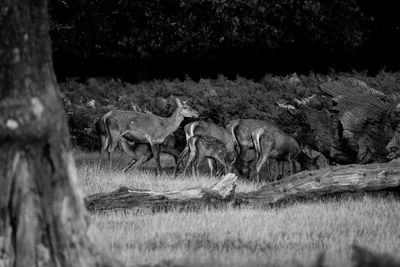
(226, 186)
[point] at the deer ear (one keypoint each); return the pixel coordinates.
(178, 102)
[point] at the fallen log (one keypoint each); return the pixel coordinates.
(329, 180)
(308, 184)
(124, 198)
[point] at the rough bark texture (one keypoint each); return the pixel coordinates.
(42, 218)
(309, 184)
(330, 180)
(124, 198)
(356, 125)
(362, 121)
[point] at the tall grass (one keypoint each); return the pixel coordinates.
(292, 235)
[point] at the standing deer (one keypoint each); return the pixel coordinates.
(241, 130)
(205, 146)
(211, 129)
(144, 128)
(141, 153)
(271, 143)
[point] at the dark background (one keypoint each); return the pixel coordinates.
(148, 39)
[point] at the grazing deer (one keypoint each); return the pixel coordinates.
(271, 143)
(211, 129)
(205, 146)
(144, 128)
(141, 153)
(241, 131)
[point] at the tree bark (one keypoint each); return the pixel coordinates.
(322, 182)
(308, 184)
(42, 218)
(124, 198)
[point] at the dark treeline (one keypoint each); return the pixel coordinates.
(146, 39)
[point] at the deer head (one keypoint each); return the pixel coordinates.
(185, 110)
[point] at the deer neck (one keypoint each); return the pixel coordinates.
(173, 122)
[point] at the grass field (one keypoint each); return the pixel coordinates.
(292, 235)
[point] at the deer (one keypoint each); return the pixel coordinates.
(144, 128)
(141, 153)
(205, 146)
(211, 129)
(101, 131)
(241, 130)
(272, 143)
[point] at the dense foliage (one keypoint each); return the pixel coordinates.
(218, 100)
(145, 29)
(216, 34)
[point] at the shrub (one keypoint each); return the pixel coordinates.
(219, 100)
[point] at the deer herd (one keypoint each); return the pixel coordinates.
(144, 136)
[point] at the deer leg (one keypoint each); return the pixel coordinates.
(212, 165)
(180, 160)
(191, 158)
(102, 148)
(110, 153)
(222, 161)
(193, 168)
(103, 144)
(261, 161)
(142, 160)
(268, 162)
(219, 171)
(175, 155)
(242, 155)
(129, 165)
(155, 148)
(294, 166)
(282, 165)
(198, 159)
(291, 166)
(197, 167)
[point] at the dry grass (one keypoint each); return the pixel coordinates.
(293, 235)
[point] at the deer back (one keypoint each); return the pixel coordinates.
(242, 130)
(280, 145)
(210, 129)
(206, 145)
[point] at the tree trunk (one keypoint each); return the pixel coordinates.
(42, 219)
(308, 184)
